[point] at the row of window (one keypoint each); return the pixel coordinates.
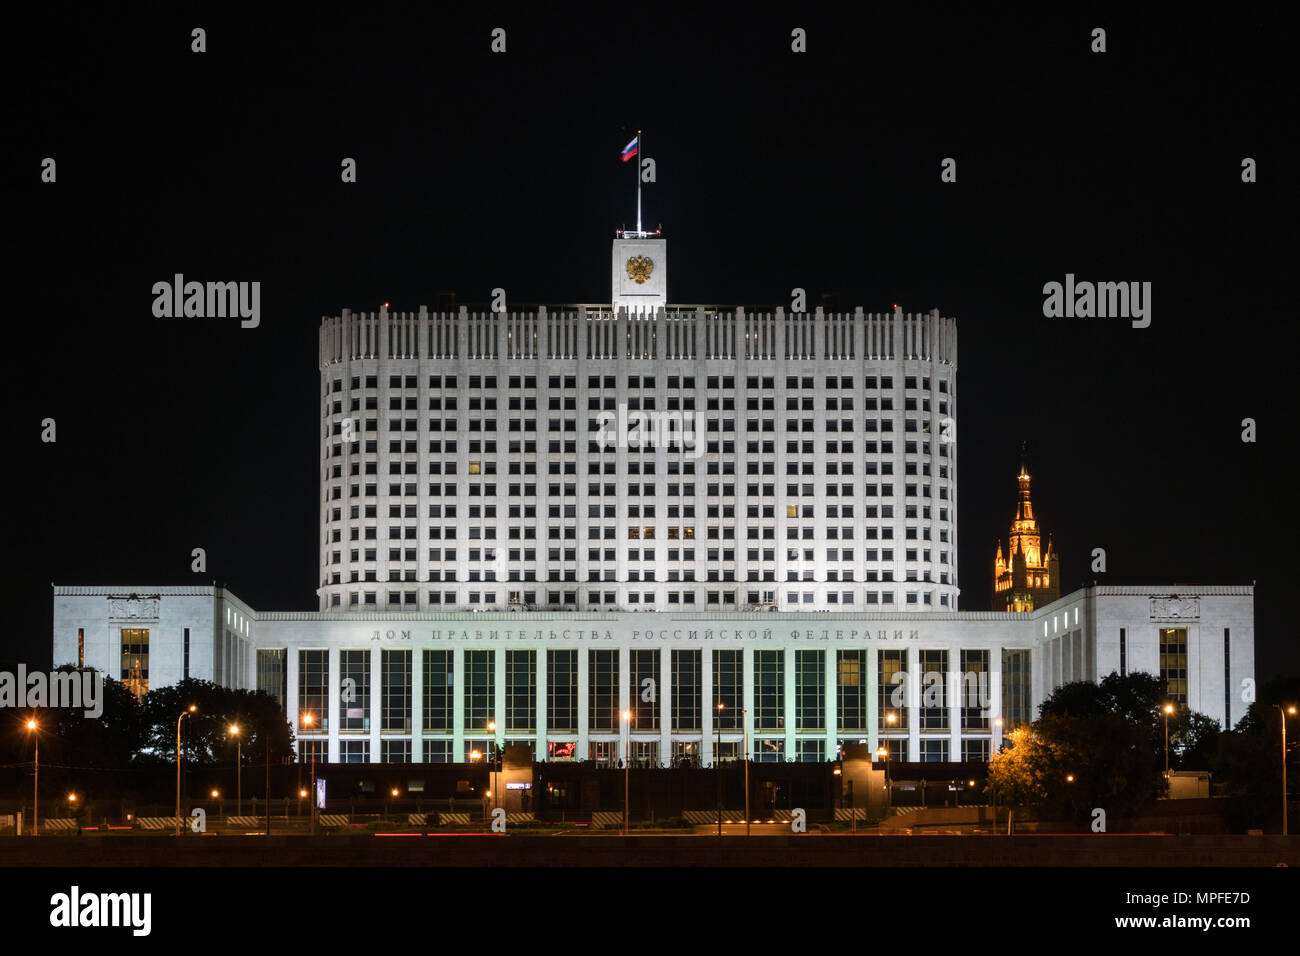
(643, 752)
(638, 381)
(728, 447)
(679, 704)
(476, 599)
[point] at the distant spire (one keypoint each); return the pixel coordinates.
(1024, 458)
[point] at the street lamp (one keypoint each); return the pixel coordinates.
(627, 769)
(193, 708)
(993, 787)
(309, 720)
(492, 729)
(1283, 711)
(717, 766)
(744, 720)
(883, 752)
(33, 727)
(239, 770)
(1168, 709)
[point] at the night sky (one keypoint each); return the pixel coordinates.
(775, 170)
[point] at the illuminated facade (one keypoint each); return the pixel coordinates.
(1032, 575)
(497, 548)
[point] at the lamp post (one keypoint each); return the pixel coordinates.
(993, 789)
(185, 713)
(744, 720)
(627, 770)
(33, 727)
(1282, 712)
(239, 769)
(717, 766)
(492, 755)
(1168, 709)
(883, 752)
(308, 720)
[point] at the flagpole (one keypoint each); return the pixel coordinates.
(638, 184)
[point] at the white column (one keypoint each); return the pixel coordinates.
(291, 704)
(913, 704)
(956, 678)
(584, 661)
(709, 706)
(498, 695)
(459, 684)
(624, 699)
(376, 690)
(665, 700)
(747, 668)
(541, 703)
(334, 690)
(417, 694)
(832, 700)
(788, 673)
(872, 677)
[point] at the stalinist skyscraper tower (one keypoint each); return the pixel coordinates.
(1029, 576)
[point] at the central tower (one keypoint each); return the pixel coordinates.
(639, 272)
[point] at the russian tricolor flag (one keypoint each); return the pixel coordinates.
(630, 149)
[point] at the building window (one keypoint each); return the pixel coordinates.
(1227, 680)
(438, 703)
(934, 690)
(313, 681)
(769, 750)
(975, 751)
(686, 753)
(81, 655)
(810, 751)
(437, 750)
(644, 693)
(272, 675)
(728, 689)
(1016, 689)
(975, 702)
(354, 691)
(604, 753)
(396, 751)
(851, 690)
(309, 748)
(602, 692)
(934, 750)
(810, 691)
(1123, 652)
(645, 753)
(687, 687)
(521, 691)
(562, 691)
(480, 690)
(891, 704)
(354, 751)
(769, 691)
(1173, 662)
(135, 661)
(395, 704)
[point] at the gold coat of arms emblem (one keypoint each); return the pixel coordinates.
(639, 269)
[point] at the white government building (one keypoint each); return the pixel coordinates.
(541, 520)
